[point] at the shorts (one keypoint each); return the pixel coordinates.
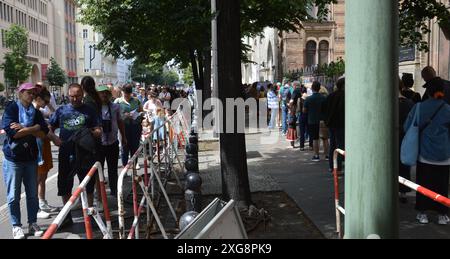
(47, 157)
(324, 132)
(313, 131)
(66, 172)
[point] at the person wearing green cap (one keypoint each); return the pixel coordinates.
(112, 122)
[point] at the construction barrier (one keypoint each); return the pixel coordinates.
(80, 192)
(426, 192)
(158, 161)
(340, 210)
(336, 173)
(220, 220)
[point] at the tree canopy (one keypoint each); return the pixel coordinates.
(153, 74)
(55, 74)
(16, 68)
(159, 31)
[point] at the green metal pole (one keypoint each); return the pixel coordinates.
(371, 116)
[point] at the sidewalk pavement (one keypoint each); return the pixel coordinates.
(279, 167)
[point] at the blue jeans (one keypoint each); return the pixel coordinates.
(133, 134)
(304, 130)
(284, 118)
(160, 132)
(14, 173)
(273, 117)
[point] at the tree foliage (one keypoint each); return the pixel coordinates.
(187, 76)
(415, 17)
(55, 74)
(15, 66)
(153, 74)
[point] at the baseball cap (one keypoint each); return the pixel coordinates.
(102, 88)
(26, 86)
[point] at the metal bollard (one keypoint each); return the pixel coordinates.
(191, 164)
(193, 200)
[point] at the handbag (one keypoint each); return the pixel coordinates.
(23, 146)
(410, 145)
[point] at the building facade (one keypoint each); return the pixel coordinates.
(316, 43)
(320, 43)
(91, 62)
(52, 33)
(413, 61)
(265, 57)
(36, 16)
(278, 53)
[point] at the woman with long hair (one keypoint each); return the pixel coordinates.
(91, 97)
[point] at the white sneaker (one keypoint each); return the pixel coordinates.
(422, 218)
(35, 230)
(443, 220)
(43, 215)
(138, 167)
(18, 233)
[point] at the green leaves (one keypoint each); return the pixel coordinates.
(55, 74)
(416, 18)
(15, 66)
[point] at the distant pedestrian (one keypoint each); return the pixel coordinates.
(433, 164)
(273, 104)
(313, 106)
(431, 78)
(334, 111)
(112, 123)
(131, 109)
(407, 91)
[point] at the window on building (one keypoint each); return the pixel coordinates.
(311, 49)
(85, 34)
(324, 49)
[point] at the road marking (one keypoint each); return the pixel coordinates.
(4, 208)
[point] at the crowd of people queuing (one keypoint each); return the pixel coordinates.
(317, 114)
(97, 124)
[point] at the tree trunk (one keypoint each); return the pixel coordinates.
(206, 78)
(235, 181)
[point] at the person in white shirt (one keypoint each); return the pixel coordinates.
(165, 98)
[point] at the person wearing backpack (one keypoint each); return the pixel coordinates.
(72, 119)
(433, 162)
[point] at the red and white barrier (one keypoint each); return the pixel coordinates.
(426, 192)
(80, 192)
(339, 209)
(163, 156)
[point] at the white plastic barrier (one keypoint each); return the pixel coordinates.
(220, 220)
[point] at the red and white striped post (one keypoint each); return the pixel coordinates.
(68, 206)
(426, 192)
(339, 209)
(105, 201)
(121, 201)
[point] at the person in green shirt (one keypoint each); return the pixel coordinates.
(131, 110)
